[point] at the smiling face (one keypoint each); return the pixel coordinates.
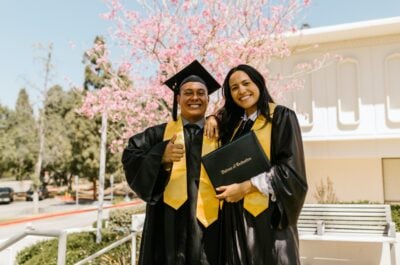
(193, 100)
(244, 91)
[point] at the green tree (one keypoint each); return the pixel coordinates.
(72, 140)
(22, 134)
(5, 141)
(98, 75)
(57, 148)
(98, 70)
(84, 137)
(41, 124)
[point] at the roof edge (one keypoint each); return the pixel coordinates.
(349, 31)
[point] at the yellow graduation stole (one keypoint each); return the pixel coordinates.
(256, 202)
(175, 193)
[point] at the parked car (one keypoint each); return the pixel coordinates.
(6, 194)
(42, 192)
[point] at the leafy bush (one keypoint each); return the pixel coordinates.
(120, 219)
(396, 216)
(79, 246)
(82, 245)
(359, 202)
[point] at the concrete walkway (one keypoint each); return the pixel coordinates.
(54, 209)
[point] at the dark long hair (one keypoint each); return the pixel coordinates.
(231, 113)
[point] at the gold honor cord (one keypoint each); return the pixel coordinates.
(256, 202)
(175, 193)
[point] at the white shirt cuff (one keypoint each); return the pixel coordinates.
(263, 183)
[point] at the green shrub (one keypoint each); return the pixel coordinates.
(396, 216)
(359, 202)
(82, 245)
(120, 219)
(79, 246)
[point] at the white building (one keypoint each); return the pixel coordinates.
(349, 111)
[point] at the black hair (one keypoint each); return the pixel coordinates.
(191, 78)
(231, 113)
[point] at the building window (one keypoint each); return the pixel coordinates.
(392, 87)
(347, 89)
(303, 104)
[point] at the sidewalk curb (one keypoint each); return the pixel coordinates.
(57, 214)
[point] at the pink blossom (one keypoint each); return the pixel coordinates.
(165, 38)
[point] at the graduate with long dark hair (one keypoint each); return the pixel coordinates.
(259, 216)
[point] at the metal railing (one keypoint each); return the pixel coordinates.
(60, 234)
(136, 228)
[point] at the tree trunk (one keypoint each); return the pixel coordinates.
(38, 169)
(41, 131)
(94, 180)
(102, 172)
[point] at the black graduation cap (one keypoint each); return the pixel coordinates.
(194, 72)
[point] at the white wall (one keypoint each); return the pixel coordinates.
(357, 97)
(353, 179)
(349, 111)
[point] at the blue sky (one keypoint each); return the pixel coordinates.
(71, 25)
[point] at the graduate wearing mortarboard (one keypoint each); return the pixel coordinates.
(163, 166)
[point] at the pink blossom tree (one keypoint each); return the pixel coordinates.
(161, 37)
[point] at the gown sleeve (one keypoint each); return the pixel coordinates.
(288, 167)
(141, 161)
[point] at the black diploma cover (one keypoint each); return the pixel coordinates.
(237, 161)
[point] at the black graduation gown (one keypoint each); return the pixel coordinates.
(271, 237)
(170, 237)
